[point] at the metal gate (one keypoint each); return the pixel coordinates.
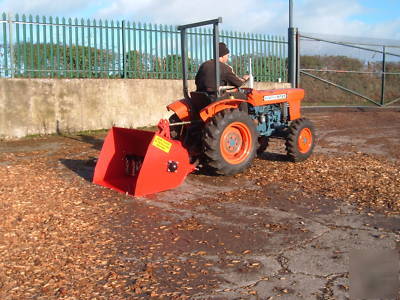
(366, 70)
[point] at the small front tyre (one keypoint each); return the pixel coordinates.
(300, 140)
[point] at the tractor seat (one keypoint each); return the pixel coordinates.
(199, 100)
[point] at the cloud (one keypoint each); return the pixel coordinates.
(338, 17)
(239, 15)
(332, 17)
(258, 16)
(389, 29)
(46, 7)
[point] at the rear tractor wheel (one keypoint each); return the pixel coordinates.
(300, 140)
(230, 140)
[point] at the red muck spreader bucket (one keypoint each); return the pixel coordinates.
(140, 162)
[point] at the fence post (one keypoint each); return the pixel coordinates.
(291, 47)
(216, 57)
(383, 76)
(297, 59)
(292, 56)
(10, 33)
(184, 70)
(123, 49)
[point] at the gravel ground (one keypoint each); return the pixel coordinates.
(277, 230)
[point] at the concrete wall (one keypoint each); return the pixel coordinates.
(43, 106)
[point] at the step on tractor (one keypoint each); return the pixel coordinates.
(221, 134)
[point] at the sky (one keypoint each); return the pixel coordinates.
(359, 18)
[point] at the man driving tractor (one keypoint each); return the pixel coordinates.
(205, 77)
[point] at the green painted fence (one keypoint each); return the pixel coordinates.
(47, 47)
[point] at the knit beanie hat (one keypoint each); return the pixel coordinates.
(223, 49)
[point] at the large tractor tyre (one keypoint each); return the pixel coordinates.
(300, 140)
(175, 130)
(230, 141)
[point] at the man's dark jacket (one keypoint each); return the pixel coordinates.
(205, 77)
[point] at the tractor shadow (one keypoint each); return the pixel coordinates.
(271, 156)
(83, 168)
(268, 156)
(95, 142)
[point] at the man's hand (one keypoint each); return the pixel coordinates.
(246, 77)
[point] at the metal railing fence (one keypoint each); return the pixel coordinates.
(47, 47)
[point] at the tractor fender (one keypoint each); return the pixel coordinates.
(181, 108)
(214, 108)
(295, 96)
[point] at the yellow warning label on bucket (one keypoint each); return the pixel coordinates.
(162, 144)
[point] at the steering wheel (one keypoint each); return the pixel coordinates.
(246, 81)
(225, 88)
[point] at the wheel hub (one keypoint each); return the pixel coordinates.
(233, 142)
(305, 140)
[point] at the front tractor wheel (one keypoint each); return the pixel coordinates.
(300, 141)
(230, 140)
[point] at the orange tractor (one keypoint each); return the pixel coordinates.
(222, 136)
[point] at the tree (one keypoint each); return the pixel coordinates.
(56, 60)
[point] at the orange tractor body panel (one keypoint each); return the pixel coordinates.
(292, 96)
(255, 97)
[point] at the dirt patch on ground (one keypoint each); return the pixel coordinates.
(278, 229)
